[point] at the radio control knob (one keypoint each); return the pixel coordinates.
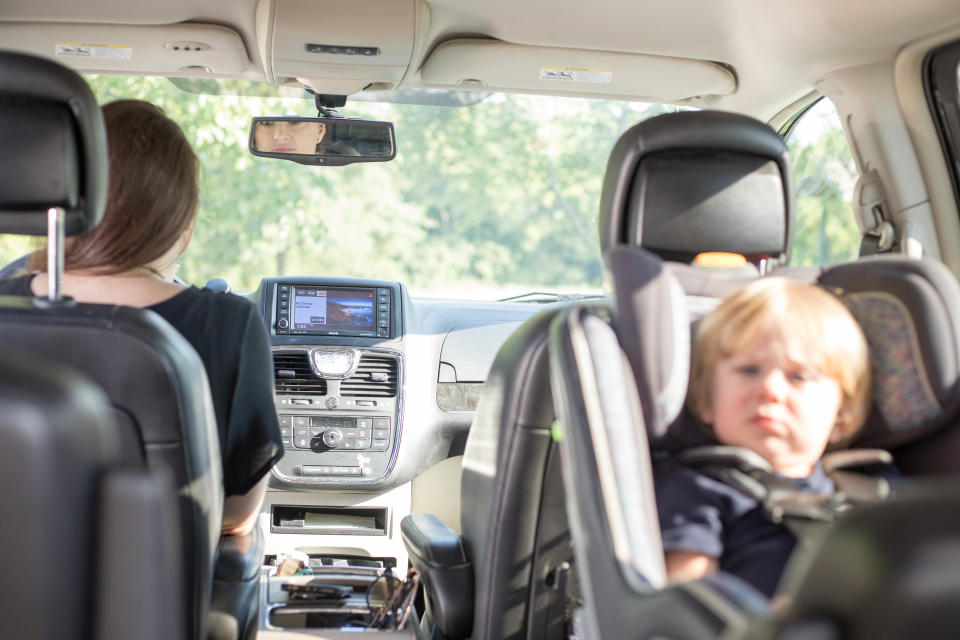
(282, 323)
(332, 438)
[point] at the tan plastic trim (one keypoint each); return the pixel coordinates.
(494, 65)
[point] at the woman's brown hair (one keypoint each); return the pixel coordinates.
(152, 197)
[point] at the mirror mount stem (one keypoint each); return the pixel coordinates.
(327, 102)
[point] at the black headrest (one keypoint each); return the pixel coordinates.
(691, 182)
(54, 147)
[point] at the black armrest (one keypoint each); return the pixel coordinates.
(234, 603)
(437, 552)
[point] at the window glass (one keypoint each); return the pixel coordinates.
(943, 92)
(824, 175)
(485, 201)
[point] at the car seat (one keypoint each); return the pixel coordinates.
(907, 309)
(55, 169)
(508, 574)
(91, 543)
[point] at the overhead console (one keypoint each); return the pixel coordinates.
(338, 371)
(337, 46)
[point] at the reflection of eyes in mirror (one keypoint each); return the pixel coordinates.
(290, 136)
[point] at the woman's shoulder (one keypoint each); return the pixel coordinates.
(203, 315)
(193, 298)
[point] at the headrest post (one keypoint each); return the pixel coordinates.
(56, 217)
(763, 265)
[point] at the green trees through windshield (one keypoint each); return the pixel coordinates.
(483, 201)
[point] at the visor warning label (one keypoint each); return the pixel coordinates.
(84, 50)
(570, 74)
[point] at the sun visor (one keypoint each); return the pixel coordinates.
(495, 65)
(183, 49)
(337, 46)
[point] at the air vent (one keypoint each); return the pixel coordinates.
(292, 375)
(376, 376)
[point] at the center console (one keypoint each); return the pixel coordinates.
(338, 371)
(338, 365)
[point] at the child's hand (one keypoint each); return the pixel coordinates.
(683, 566)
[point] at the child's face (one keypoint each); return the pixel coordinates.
(765, 399)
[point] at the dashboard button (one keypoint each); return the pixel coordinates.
(364, 423)
(381, 423)
(302, 442)
(345, 471)
(301, 421)
(314, 470)
(363, 443)
(283, 324)
(332, 438)
(333, 403)
(380, 445)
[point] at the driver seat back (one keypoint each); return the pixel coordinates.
(54, 183)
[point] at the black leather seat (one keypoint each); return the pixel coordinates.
(154, 379)
(506, 576)
(91, 543)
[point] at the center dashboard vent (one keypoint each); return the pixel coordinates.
(292, 375)
(376, 376)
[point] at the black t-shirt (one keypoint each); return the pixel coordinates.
(232, 342)
(702, 515)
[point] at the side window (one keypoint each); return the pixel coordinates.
(824, 174)
(943, 93)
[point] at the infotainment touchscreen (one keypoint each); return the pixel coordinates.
(316, 310)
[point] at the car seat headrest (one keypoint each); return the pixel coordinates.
(909, 311)
(54, 147)
(651, 321)
(699, 181)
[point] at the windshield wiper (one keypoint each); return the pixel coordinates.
(544, 297)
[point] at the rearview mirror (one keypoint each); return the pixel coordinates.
(326, 141)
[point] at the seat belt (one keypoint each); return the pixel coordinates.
(801, 512)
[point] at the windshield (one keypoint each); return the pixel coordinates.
(483, 201)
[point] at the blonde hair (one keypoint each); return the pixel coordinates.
(811, 318)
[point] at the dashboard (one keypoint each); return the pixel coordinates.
(373, 387)
(375, 392)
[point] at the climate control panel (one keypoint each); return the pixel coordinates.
(344, 433)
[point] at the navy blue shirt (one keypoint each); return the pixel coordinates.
(702, 515)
